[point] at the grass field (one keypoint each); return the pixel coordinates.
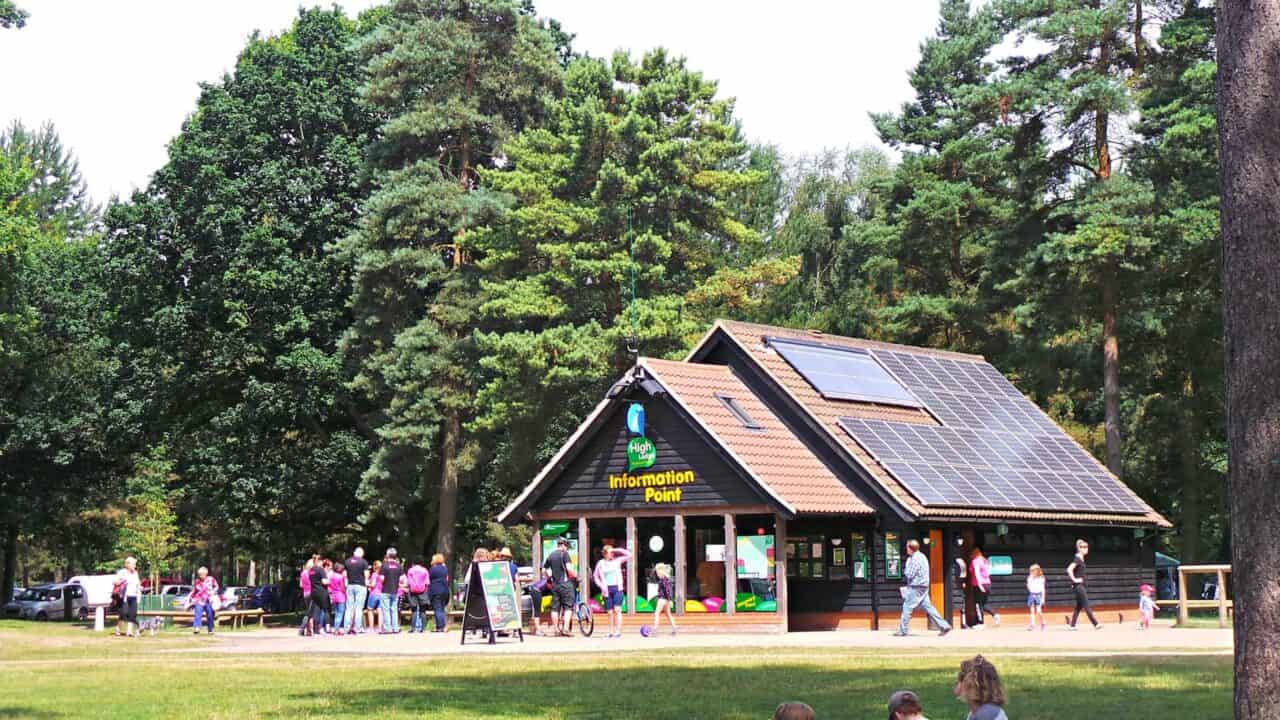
(53, 671)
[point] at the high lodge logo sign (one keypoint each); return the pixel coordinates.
(659, 487)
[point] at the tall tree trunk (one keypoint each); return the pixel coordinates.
(1192, 482)
(1111, 373)
(1110, 341)
(10, 558)
(448, 514)
(1249, 112)
(1139, 42)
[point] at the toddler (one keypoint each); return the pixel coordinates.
(1035, 595)
(1146, 606)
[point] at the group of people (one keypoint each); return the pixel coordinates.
(975, 576)
(557, 579)
(978, 686)
(353, 597)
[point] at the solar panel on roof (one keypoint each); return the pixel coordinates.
(956, 467)
(996, 449)
(844, 374)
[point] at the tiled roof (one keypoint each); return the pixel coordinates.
(772, 454)
(750, 338)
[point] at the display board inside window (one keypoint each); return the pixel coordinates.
(892, 555)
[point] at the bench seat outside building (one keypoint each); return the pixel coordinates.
(781, 472)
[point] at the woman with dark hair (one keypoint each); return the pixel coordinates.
(1077, 571)
(320, 605)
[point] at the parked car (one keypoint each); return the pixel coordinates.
(47, 603)
(234, 596)
(267, 597)
(174, 597)
(13, 608)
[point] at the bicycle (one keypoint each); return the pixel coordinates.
(581, 611)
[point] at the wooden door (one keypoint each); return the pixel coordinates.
(937, 571)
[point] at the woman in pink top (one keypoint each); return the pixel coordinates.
(980, 578)
(372, 614)
(304, 584)
(338, 596)
(203, 591)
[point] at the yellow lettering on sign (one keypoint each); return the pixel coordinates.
(665, 495)
(657, 486)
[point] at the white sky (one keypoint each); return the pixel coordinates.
(118, 78)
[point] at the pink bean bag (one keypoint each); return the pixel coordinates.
(595, 606)
(713, 603)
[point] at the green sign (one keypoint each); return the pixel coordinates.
(552, 529)
(1001, 564)
(500, 596)
(641, 454)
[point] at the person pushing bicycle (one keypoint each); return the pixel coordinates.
(559, 568)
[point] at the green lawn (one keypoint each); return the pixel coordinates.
(51, 671)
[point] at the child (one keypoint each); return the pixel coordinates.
(1146, 606)
(978, 686)
(338, 597)
(794, 711)
(666, 596)
(905, 705)
(1035, 595)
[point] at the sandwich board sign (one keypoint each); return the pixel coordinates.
(492, 604)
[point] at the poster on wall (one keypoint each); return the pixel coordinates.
(859, 546)
(1001, 564)
(549, 546)
(755, 556)
(839, 568)
(892, 556)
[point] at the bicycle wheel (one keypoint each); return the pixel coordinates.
(586, 620)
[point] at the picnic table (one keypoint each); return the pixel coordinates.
(235, 617)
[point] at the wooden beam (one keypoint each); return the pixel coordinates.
(615, 513)
(584, 558)
(730, 564)
(681, 566)
(1182, 598)
(780, 569)
(536, 552)
(1222, 598)
(633, 574)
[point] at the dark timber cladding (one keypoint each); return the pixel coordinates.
(688, 473)
(826, 455)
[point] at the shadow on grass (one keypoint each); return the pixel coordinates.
(1048, 690)
(27, 713)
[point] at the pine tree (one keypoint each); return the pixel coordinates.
(622, 239)
(454, 80)
(1079, 85)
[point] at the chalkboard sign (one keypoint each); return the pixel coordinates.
(492, 603)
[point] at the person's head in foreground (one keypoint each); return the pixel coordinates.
(912, 547)
(978, 685)
(794, 711)
(905, 705)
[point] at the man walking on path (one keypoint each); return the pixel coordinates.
(915, 591)
(357, 590)
(390, 601)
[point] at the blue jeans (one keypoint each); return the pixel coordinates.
(919, 597)
(418, 606)
(339, 615)
(438, 602)
(390, 605)
(357, 595)
(203, 611)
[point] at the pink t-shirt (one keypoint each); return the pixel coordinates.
(418, 578)
(304, 582)
(337, 588)
(375, 588)
(981, 573)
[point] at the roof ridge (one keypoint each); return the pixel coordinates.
(819, 336)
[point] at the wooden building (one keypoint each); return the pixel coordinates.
(781, 473)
